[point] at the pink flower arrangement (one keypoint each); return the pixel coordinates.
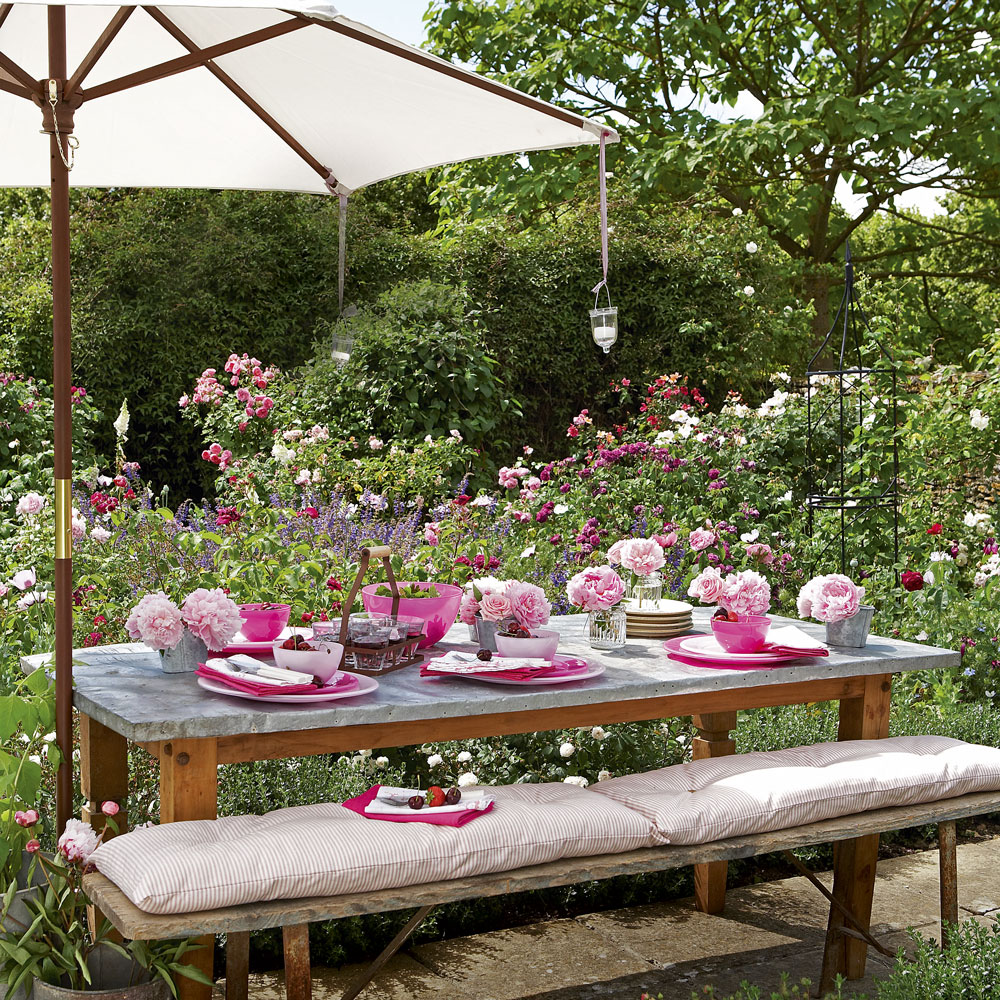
(495, 607)
(156, 621)
(597, 588)
(78, 841)
(643, 556)
(746, 593)
(700, 539)
(707, 586)
(830, 598)
(528, 604)
(468, 609)
(211, 616)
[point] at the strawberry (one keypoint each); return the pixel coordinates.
(435, 796)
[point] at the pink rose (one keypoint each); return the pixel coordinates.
(700, 539)
(212, 616)
(528, 604)
(78, 841)
(746, 593)
(707, 586)
(615, 552)
(110, 808)
(761, 551)
(495, 607)
(667, 541)
(596, 588)
(642, 556)
(431, 536)
(834, 597)
(156, 621)
(30, 504)
(467, 610)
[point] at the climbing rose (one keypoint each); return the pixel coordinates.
(912, 580)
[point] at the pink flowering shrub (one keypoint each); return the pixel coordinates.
(156, 621)
(830, 598)
(597, 588)
(211, 616)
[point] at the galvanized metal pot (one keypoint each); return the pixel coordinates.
(851, 631)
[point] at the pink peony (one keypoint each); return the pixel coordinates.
(32, 846)
(27, 818)
(707, 586)
(467, 610)
(156, 621)
(528, 604)
(642, 556)
(30, 504)
(615, 552)
(596, 589)
(110, 808)
(78, 841)
(495, 607)
(211, 616)
(700, 539)
(830, 598)
(746, 593)
(23, 579)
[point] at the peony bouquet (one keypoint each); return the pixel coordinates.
(738, 594)
(514, 606)
(210, 615)
(830, 598)
(597, 588)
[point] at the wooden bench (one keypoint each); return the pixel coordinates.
(849, 915)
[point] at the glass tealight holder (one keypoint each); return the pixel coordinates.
(648, 590)
(606, 629)
(604, 326)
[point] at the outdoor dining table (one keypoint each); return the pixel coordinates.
(123, 696)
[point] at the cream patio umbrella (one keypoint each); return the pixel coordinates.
(232, 94)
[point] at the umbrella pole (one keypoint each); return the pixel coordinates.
(63, 433)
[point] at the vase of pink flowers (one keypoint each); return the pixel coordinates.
(836, 600)
(510, 610)
(206, 620)
(481, 630)
(740, 624)
(598, 590)
(643, 558)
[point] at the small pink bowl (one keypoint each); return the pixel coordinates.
(542, 645)
(263, 622)
(322, 662)
(744, 636)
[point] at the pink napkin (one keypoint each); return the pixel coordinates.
(794, 642)
(560, 668)
(250, 686)
(425, 815)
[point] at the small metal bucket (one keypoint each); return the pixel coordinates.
(487, 632)
(851, 631)
(185, 656)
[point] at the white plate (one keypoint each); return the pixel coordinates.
(708, 646)
(664, 607)
(240, 644)
(586, 675)
(365, 686)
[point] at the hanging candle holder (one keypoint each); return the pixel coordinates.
(604, 319)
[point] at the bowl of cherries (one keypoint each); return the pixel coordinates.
(320, 660)
(740, 633)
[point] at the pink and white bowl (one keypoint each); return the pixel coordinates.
(747, 635)
(542, 644)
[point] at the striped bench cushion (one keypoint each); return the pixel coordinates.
(327, 850)
(712, 799)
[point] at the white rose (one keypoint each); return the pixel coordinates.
(464, 757)
(752, 247)
(979, 420)
(737, 211)
(381, 761)
(567, 750)
(576, 779)
(434, 760)
(603, 775)
(467, 779)
(598, 734)
(748, 290)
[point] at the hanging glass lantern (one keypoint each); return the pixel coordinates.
(604, 319)
(604, 325)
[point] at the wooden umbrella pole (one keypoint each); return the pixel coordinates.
(63, 432)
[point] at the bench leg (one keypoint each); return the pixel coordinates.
(948, 859)
(237, 965)
(364, 978)
(713, 740)
(298, 973)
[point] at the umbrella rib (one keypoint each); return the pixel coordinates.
(227, 81)
(5, 9)
(100, 46)
(197, 58)
(447, 69)
(21, 76)
(14, 88)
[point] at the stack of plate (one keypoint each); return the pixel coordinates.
(660, 620)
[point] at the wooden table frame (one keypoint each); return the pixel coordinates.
(189, 773)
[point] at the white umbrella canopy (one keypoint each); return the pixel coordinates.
(226, 94)
(359, 104)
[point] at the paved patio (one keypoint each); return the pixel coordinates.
(669, 948)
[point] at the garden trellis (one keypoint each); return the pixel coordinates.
(225, 95)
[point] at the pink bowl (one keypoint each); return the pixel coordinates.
(263, 622)
(542, 644)
(437, 613)
(745, 636)
(322, 661)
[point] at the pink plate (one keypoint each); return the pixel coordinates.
(241, 644)
(584, 675)
(365, 686)
(708, 653)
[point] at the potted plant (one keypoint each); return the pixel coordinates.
(599, 590)
(206, 620)
(836, 600)
(54, 953)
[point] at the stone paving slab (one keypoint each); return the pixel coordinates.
(670, 948)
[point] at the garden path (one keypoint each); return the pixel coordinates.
(669, 948)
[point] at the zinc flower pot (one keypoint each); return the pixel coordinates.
(114, 977)
(18, 916)
(851, 631)
(185, 656)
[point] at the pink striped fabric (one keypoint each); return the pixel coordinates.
(326, 850)
(721, 797)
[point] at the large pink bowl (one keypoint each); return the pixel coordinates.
(263, 622)
(437, 613)
(745, 636)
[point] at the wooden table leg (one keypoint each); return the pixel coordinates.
(188, 790)
(854, 861)
(103, 773)
(713, 740)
